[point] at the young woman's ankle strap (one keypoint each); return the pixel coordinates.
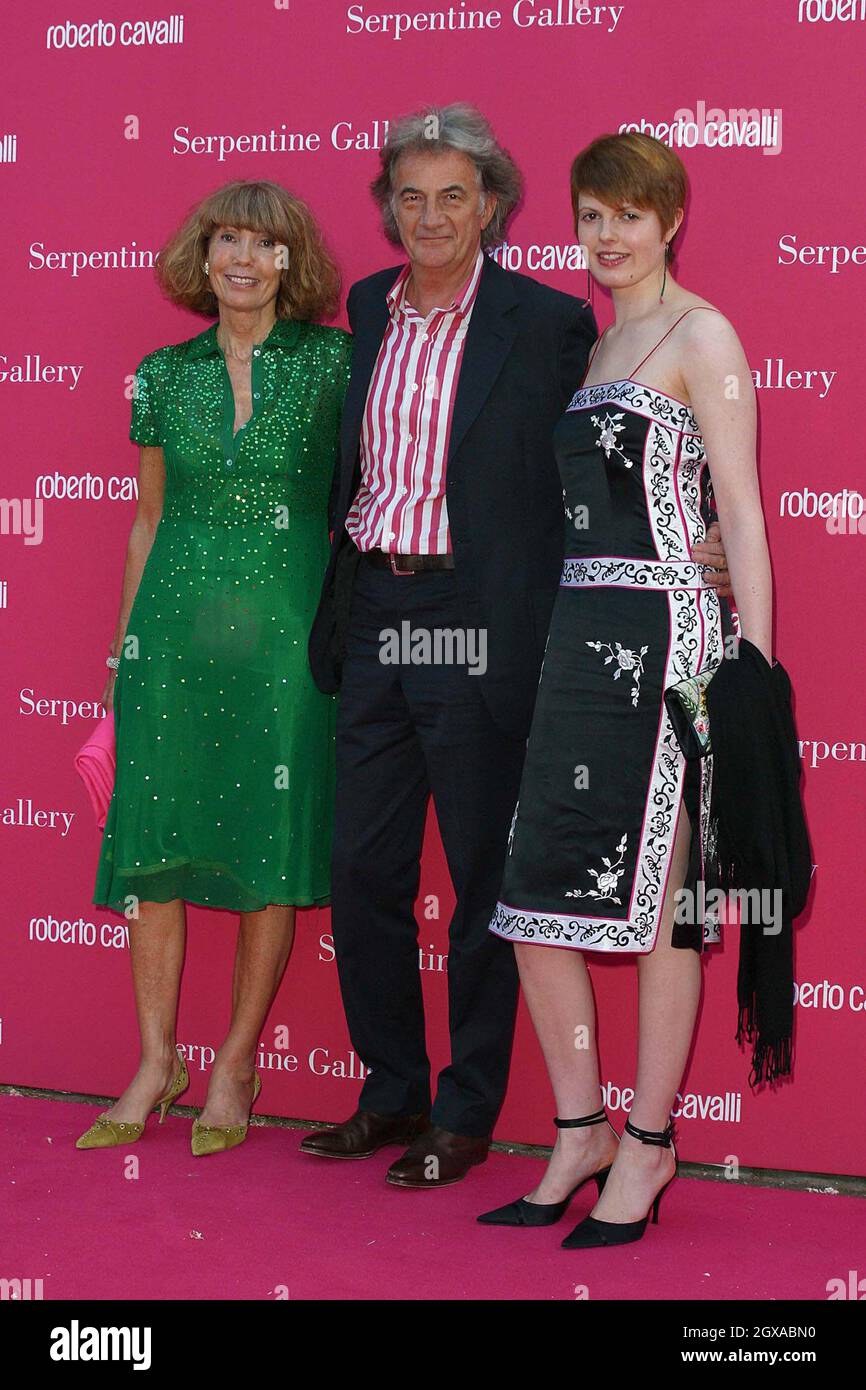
(596, 1118)
(660, 1137)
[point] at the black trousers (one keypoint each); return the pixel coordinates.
(405, 731)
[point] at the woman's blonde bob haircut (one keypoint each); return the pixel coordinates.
(310, 284)
(632, 168)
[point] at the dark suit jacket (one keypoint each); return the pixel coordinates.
(524, 356)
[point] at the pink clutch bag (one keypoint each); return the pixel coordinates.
(95, 761)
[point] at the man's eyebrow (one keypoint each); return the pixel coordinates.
(451, 188)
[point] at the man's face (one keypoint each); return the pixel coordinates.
(440, 209)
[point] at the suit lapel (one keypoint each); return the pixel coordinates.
(489, 338)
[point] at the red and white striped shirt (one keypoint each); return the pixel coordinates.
(400, 505)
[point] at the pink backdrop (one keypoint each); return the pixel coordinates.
(97, 156)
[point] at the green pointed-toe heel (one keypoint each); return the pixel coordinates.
(214, 1139)
(106, 1133)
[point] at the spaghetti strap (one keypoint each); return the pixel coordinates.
(666, 335)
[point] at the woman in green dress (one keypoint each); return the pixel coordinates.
(225, 760)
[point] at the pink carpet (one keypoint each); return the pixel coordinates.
(264, 1217)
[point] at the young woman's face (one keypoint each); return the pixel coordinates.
(622, 245)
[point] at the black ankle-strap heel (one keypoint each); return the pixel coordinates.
(591, 1232)
(662, 1138)
(523, 1213)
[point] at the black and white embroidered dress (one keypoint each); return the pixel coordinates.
(591, 838)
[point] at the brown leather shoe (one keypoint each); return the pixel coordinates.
(364, 1134)
(437, 1158)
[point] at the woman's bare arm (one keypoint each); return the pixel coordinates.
(722, 396)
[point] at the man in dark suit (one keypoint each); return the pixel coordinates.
(447, 519)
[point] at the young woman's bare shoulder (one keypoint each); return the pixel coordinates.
(709, 330)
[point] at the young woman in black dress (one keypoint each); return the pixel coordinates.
(601, 833)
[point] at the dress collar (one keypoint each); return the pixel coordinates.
(284, 334)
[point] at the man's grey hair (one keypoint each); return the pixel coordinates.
(438, 129)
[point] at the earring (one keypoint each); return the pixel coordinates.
(665, 276)
(207, 268)
(589, 282)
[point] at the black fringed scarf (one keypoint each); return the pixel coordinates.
(757, 839)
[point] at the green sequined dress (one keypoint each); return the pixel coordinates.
(225, 747)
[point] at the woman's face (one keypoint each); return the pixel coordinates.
(244, 267)
(623, 245)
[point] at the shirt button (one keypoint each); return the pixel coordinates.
(229, 463)
(414, 386)
(390, 535)
(257, 352)
(423, 337)
(257, 395)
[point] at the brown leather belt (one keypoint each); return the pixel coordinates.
(407, 564)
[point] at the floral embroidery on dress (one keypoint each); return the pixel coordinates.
(607, 881)
(626, 660)
(609, 429)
